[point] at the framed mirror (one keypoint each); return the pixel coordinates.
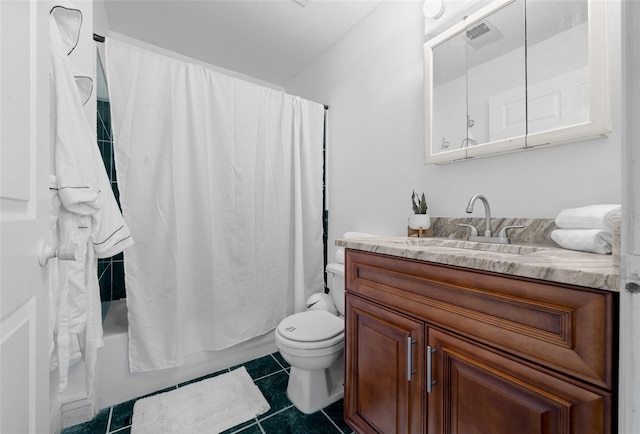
(517, 74)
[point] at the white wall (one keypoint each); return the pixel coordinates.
(372, 81)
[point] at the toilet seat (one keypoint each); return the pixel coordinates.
(336, 341)
(311, 330)
(311, 326)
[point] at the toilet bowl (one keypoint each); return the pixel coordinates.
(312, 342)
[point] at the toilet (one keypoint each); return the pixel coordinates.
(313, 344)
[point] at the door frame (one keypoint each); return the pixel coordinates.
(629, 381)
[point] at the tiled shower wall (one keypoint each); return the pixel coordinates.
(110, 270)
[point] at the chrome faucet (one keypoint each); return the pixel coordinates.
(502, 237)
(487, 212)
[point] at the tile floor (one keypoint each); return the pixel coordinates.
(271, 374)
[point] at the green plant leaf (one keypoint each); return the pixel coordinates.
(419, 207)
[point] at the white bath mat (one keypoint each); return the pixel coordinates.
(208, 406)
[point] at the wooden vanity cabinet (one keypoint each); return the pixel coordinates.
(507, 355)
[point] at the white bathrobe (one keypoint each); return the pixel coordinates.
(88, 216)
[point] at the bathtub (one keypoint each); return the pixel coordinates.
(115, 384)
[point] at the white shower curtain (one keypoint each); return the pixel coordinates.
(221, 185)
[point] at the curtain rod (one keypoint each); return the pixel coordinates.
(100, 38)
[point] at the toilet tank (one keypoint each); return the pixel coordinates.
(335, 282)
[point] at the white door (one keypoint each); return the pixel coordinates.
(24, 169)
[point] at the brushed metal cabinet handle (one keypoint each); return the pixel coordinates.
(430, 381)
(409, 359)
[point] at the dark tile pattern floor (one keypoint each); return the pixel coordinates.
(271, 374)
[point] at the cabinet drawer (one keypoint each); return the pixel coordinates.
(561, 327)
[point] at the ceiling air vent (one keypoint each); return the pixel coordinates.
(476, 31)
(483, 34)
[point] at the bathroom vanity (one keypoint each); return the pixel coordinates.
(506, 343)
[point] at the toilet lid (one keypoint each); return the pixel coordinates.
(311, 326)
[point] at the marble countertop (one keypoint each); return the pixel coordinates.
(538, 262)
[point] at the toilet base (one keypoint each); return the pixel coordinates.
(311, 391)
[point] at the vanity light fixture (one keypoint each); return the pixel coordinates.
(433, 9)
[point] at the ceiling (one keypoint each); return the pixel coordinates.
(271, 40)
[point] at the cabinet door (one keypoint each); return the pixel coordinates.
(479, 391)
(384, 378)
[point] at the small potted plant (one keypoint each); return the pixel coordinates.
(420, 219)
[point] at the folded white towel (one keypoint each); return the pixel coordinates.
(585, 240)
(340, 255)
(588, 217)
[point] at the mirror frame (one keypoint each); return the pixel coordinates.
(599, 124)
